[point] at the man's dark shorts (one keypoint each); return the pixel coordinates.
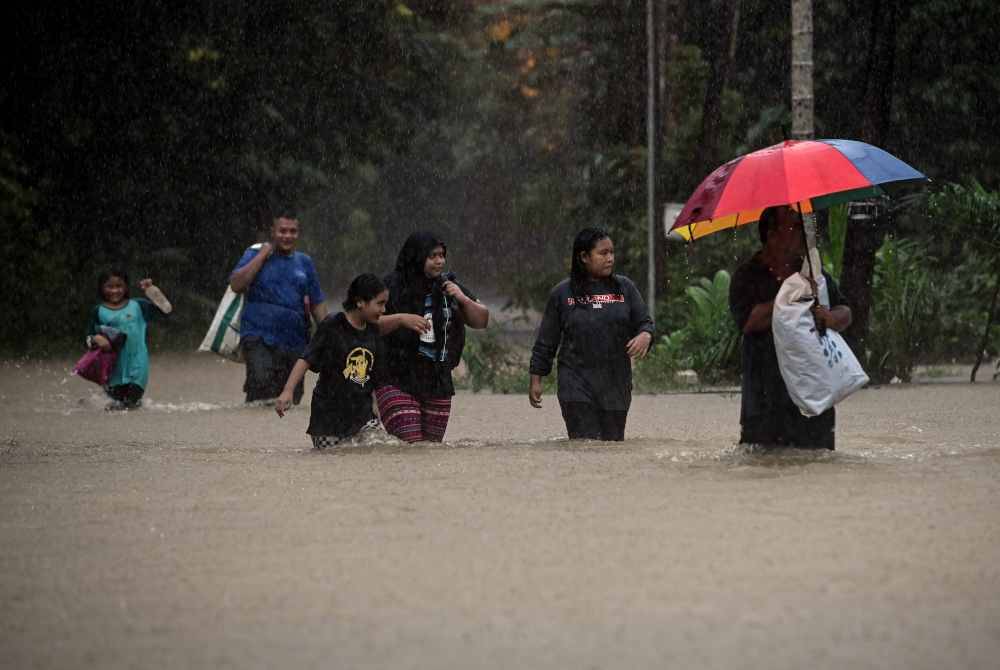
(267, 370)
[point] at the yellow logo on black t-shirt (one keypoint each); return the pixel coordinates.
(359, 365)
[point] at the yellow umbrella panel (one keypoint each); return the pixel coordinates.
(700, 229)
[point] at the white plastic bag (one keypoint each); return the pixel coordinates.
(819, 370)
(223, 336)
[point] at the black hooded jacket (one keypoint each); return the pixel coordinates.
(408, 287)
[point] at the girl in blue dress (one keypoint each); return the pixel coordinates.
(117, 312)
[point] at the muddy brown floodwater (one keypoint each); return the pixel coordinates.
(196, 532)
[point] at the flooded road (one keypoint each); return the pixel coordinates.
(196, 532)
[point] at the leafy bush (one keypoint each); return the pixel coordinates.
(711, 337)
(707, 344)
(971, 216)
(832, 251)
(659, 369)
(907, 301)
(495, 365)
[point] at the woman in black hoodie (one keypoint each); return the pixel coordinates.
(424, 329)
(597, 322)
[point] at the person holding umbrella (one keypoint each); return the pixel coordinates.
(760, 186)
(768, 416)
(597, 322)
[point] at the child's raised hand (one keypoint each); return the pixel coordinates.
(156, 296)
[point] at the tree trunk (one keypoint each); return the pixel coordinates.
(862, 241)
(671, 17)
(720, 58)
(802, 70)
(671, 26)
(627, 119)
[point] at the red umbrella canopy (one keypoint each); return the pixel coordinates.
(810, 173)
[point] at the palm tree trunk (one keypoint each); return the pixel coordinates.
(862, 241)
(802, 70)
(720, 54)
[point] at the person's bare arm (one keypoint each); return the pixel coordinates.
(242, 278)
(390, 323)
(760, 318)
(320, 311)
(284, 401)
(476, 314)
(535, 391)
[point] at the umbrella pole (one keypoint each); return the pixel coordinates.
(812, 253)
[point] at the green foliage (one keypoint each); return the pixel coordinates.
(707, 344)
(659, 370)
(904, 321)
(710, 336)
(160, 139)
(836, 232)
(493, 364)
(186, 128)
(972, 213)
(34, 261)
(970, 217)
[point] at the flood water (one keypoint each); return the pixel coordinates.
(197, 532)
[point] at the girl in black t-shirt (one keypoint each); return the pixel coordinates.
(346, 351)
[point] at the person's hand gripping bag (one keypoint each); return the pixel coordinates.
(819, 369)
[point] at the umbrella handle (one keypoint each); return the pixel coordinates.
(820, 328)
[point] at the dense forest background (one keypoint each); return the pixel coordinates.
(160, 137)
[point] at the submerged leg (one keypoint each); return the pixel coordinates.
(400, 413)
(434, 415)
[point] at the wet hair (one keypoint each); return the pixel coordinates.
(413, 284)
(105, 276)
(364, 287)
(413, 256)
(767, 219)
(286, 214)
(584, 243)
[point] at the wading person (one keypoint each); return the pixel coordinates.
(346, 351)
(129, 318)
(424, 328)
(597, 323)
(282, 292)
(768, 416)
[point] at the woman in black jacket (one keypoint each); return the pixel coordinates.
(597, 323)
(424, 329)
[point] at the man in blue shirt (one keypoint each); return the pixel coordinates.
(282, 291)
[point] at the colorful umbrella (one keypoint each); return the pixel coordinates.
(810, 173)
